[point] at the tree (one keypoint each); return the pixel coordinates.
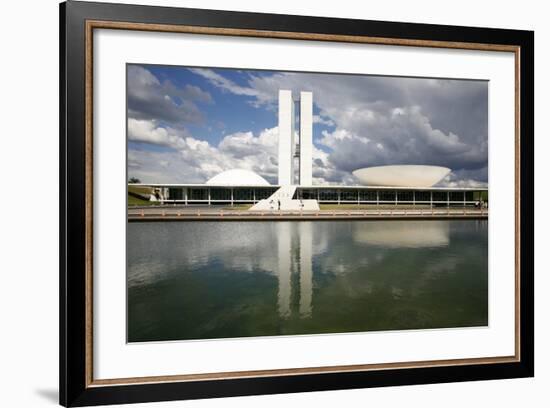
(134, 180)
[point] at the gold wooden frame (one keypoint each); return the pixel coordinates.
(99, 24)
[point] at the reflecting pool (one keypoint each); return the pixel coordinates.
(202, 280)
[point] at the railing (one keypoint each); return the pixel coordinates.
(153, 213)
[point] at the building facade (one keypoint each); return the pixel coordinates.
(181, 194)
(295, 138)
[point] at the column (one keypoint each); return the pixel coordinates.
(306, 138)
(286, 138)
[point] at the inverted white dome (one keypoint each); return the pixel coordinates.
(401, 176)
(237, 177)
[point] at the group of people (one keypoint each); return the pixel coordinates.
(272, 202)
(481, 204)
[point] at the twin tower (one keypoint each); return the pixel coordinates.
(295, 138)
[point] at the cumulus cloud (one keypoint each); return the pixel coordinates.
(245, 144)
(385, 120)
(359, 121)
(151, 99)
(462, 183)
(147, 131)
(405, 136)
(322, 121)
(221, 82)
(191, 160)
(195, 161)
(466, 178)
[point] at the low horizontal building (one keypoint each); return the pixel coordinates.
(187, 194)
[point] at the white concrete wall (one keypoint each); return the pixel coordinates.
(306, 138)
(286, 137)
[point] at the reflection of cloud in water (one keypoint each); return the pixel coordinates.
(402, 234)
(279, 248)
(305, 277)
(193, 245)
(282, 249)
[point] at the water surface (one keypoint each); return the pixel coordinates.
(201, 280)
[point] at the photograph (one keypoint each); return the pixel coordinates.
(257, 202)
(283, 203)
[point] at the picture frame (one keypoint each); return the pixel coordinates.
(78, 20)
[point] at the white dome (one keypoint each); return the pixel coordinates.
(237, 177)
(401, 176)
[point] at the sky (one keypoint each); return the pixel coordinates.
(187, 124)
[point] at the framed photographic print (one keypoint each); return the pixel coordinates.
(256, 203)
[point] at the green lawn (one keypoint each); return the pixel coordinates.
(133, 200)
(238, 207)
(139, 195)
(140, 190)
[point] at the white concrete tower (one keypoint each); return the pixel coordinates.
(287, 144)
(306, 138)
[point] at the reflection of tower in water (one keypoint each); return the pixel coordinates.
(284, 243)
(306, 272)
(295, 242)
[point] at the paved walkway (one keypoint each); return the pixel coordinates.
(209, 214)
